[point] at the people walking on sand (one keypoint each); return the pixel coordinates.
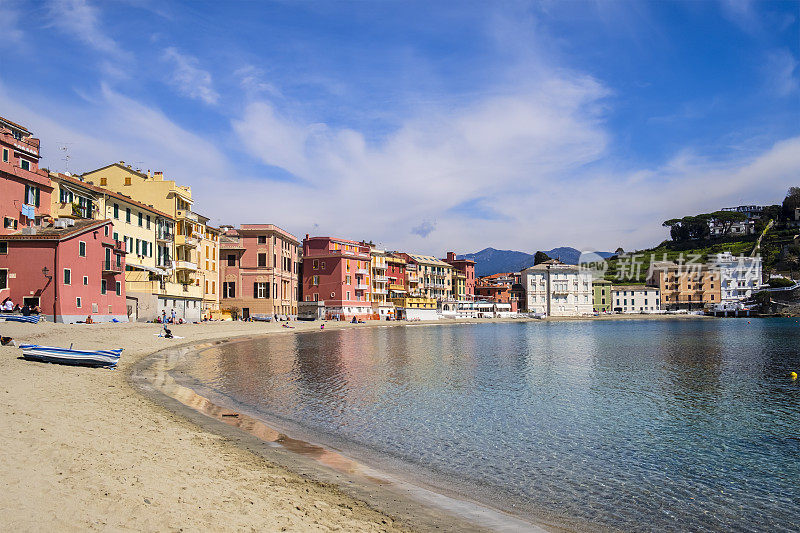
(163, 316)
(173, 315)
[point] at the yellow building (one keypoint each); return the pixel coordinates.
(379, 292)
(208, 267)
(140, 227)
(459, 284)
(182, 291)
(435, 277)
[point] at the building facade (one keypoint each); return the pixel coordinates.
(259, 265)
(739, 278)
(396, 274)
(434, 276)
(70, 269)
(466, 267)
(24, 188)
(601, 296)
(337, 272)
(208, 267)
(685, 286)
(182, 289)
(635, 299)
(556, 289)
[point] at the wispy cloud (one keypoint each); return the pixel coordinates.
(252, 81)
(781, 72)
(9, 23)
(189, 79)
(81, 20)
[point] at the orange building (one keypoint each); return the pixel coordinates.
(682, 286)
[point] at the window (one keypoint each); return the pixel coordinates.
(316, 296)
(147, 224)
(67, 276)
(105, 230)
(5, 155)
(65, 196)
(128, 215)
(262, 260)
(315, 264)
(348, 295)
(116, 211)
(231, 260)
(103, 182)
(85, 280)
(3, 278)
(140, 219)
(24, 164)
(262, 239)
(9, 223)
(3, 248)
(274, 260)
(228, 289)
(128, 180)
(103, 286)
(261, 290)
(315, 280)
(78, 302)
(32, 195)
(275, 290)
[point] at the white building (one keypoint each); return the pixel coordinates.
(738, 276)
(555, 289)
(635, 299)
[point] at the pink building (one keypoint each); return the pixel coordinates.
(337, 272)
(259, 270)
(71, 270)
(467, 268)
(24, 188)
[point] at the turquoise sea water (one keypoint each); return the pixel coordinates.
(632, 425)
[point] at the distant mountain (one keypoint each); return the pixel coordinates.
(491, 261)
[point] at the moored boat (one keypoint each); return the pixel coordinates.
(68, 356)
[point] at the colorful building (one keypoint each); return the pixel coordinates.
(434, 276)
(379, 292)
(685, 286)
(337, 272)
(183, 288)
(145, 232)
(208, 268)
(739, 277)
(24, 188)
(70, 269)
(466, 267)
(396, 274)
(601, 296)
(259, 265)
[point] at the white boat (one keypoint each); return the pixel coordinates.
(68, 356)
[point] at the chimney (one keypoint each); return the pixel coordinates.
(451, 256)
(307, 236)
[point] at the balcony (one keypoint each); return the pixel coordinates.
(362, 287)
(168, 288)
(362, 272)
(184, 240)
(111, 266)
(380, 291)
(164, 236)
(185, 214)
(184, 265)
(380, 279)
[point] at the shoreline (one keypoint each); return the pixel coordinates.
(104, 456)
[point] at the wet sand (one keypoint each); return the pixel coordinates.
(82, 449)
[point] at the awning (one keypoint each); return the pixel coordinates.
(158, 271)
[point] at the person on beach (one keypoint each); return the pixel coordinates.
(173, 316)
(167, 332)
(7, 306)
(89, 319)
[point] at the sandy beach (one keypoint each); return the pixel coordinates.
(83, 450)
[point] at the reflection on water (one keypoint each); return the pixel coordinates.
(654, 425)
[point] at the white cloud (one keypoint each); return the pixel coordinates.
(190, 80)
(252, 81)
(80, 20)
(781, 69)
(9, 23)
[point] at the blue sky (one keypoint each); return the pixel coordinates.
(423, 125)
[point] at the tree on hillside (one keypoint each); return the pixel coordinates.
(791, 202)
(540, 257)
(727, 219)
(689, 228)
(770, 212)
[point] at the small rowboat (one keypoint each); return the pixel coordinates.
(68, 356)
(34, 319)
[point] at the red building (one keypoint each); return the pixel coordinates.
(24, 188)
(259, 270)
(467, 268)
(337, 272)
(396, 272)
(71, 270)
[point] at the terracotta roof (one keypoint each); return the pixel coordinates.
(109, 193)
(58, 234)
(23, 128)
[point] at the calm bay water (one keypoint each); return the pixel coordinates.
(633, 425)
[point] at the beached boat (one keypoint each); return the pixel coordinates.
(68, 356)
(34, 319)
